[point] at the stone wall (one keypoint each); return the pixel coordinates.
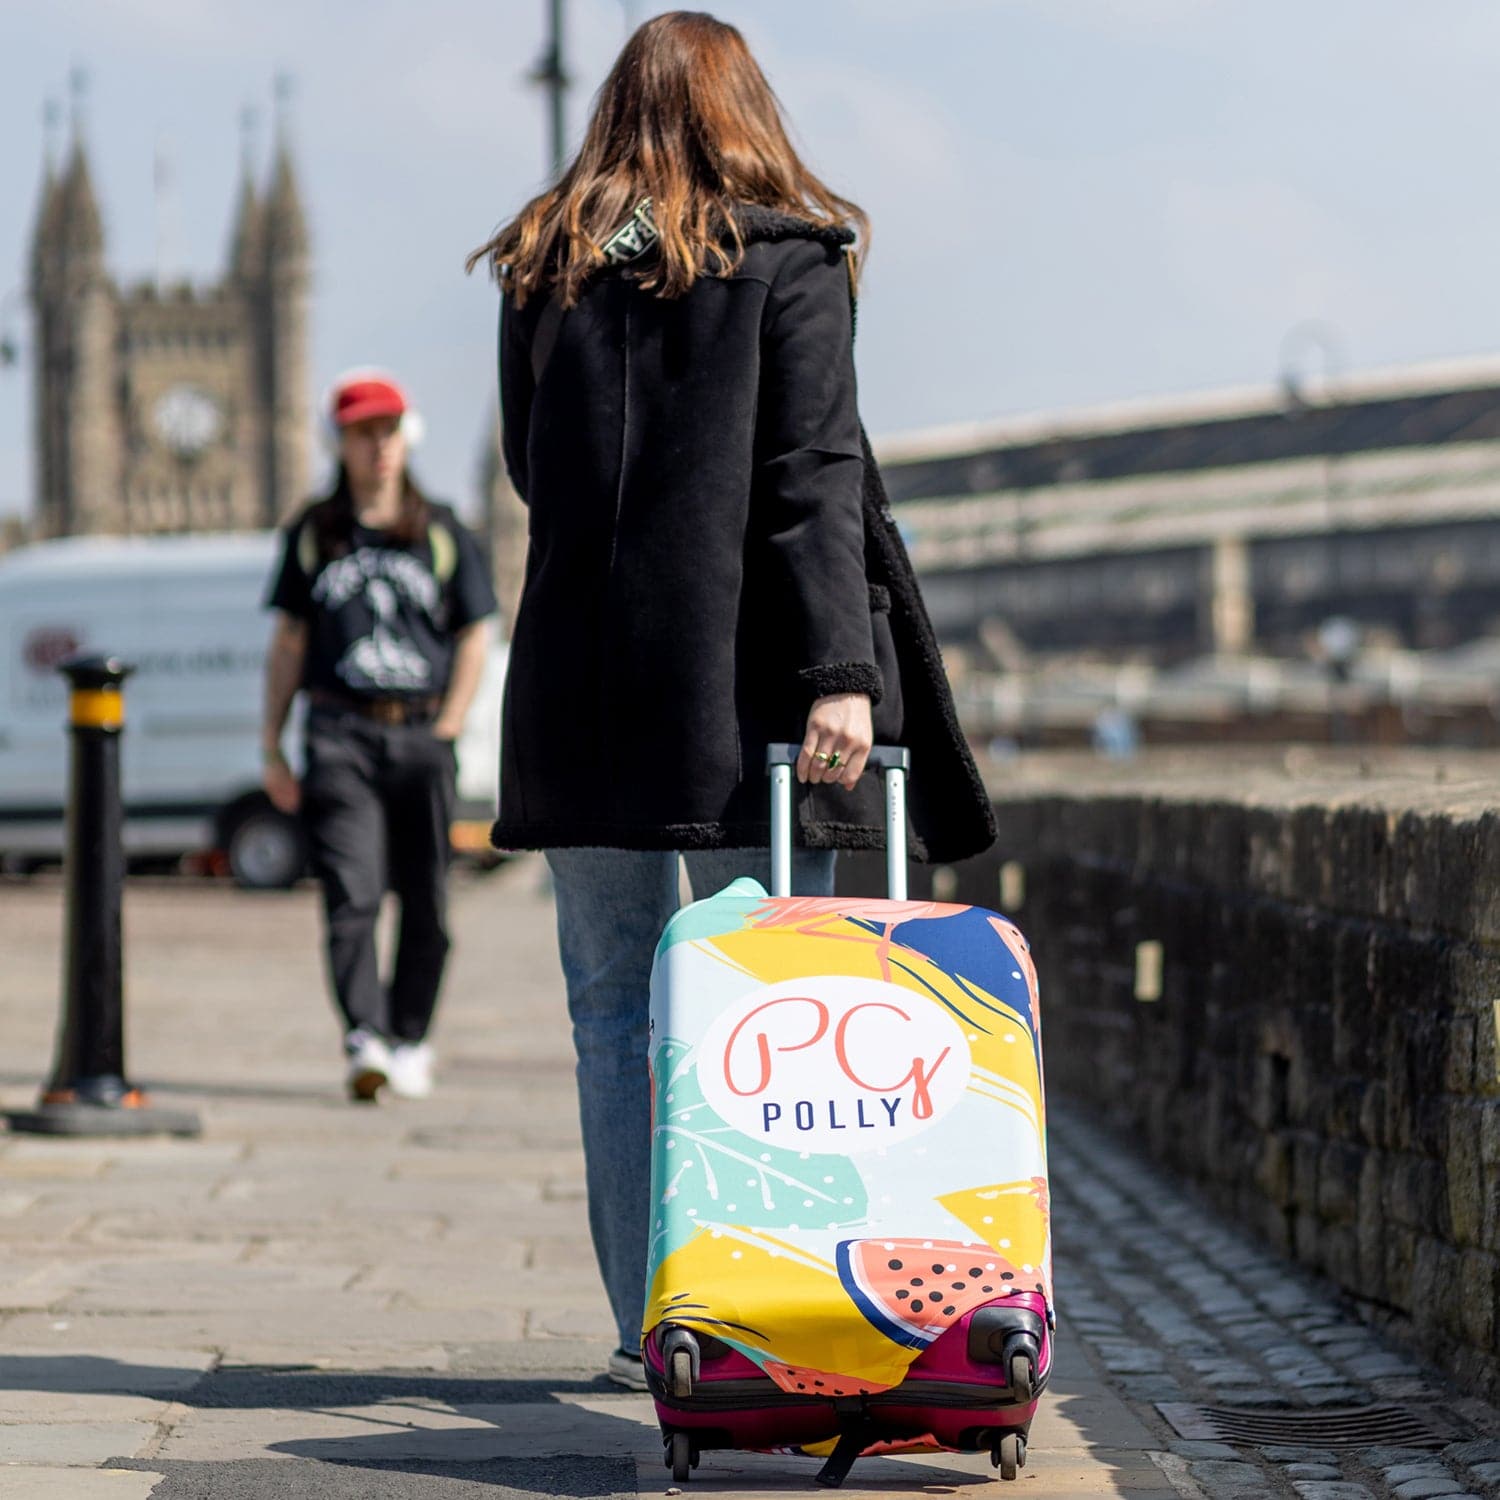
(1320, 1052)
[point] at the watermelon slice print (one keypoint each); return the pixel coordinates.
(915, 1290)
(800, 1380)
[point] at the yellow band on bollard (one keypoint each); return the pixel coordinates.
(97, 708)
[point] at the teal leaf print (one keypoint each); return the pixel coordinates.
(706, 1172)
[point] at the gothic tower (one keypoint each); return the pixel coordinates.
(176, 407)
(283, 293)
(46, 429)
(78, 439)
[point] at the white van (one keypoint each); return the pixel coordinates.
(186, 612)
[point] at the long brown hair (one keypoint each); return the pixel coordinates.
(333, 517)
(685, 118)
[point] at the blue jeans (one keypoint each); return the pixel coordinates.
(612, 905)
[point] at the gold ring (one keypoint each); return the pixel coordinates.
(819, 755)
(833, 760)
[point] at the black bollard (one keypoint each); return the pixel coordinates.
(88, 1093)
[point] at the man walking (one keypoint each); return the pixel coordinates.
(381, 595)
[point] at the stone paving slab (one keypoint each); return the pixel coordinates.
(36, 1483)
(109, 1386)
(85, 1444)
(21, 1408)
(400, 1304)
(259, 1336)
(414, 1479)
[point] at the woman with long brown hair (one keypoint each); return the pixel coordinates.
(710, 566)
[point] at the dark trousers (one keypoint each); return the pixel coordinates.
(377, 800)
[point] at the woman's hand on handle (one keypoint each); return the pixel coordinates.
(837, 742)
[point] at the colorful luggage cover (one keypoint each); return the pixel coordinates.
(849, 1143)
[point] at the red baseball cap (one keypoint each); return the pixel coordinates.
(357, 398)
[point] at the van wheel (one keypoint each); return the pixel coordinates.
(266, 850)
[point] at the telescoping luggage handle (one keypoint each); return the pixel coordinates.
(893, 761)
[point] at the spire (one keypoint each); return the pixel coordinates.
(51, 126)
(80, 230)
(78, 92)
(286, 225)
(247, 237)
(48, 211)
(285, 222)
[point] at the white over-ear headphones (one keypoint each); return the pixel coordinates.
(413, 428)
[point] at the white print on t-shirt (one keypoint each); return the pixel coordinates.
(345, 576)
(383, 659)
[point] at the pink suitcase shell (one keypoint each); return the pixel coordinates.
(851, 1244)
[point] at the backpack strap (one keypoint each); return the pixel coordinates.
(440, 542)
(309, 554)
(444, 548)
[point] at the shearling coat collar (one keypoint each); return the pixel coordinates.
(770, 226)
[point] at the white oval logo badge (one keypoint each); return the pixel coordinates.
(833, 1063)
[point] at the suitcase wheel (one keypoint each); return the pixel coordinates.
(1022, 1378)
(682, 1374)
(1009, 1455)
(682, 1457)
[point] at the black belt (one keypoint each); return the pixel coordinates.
(381, 710)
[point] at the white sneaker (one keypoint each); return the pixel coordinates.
(411, 1070)
(628, 1370)
(369, 1065)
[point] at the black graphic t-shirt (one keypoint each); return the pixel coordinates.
(382, 616)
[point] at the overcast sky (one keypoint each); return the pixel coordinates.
(1074, 201)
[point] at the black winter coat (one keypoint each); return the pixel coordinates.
(710, 551)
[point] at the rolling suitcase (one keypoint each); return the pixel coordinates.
(850, 1247)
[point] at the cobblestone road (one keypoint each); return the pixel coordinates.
(318, 1300)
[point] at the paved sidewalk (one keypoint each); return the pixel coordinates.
(365, 1304)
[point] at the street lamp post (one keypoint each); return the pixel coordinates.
(553, 76)
(1304, 393)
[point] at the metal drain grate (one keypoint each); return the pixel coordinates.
(1347, 1427)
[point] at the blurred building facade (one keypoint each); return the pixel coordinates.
(1280, 564)
(1221, 524)
(169, 408)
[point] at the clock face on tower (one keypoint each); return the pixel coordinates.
(187, 420)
